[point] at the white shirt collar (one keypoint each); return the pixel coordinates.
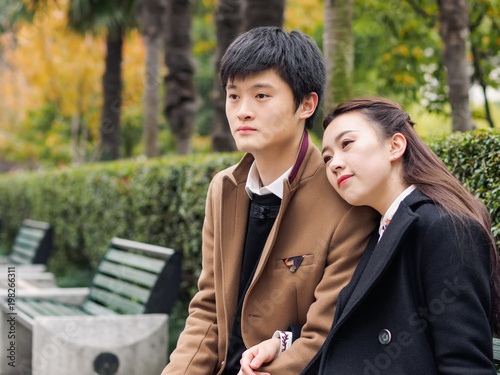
(254, 185)
(392, 209)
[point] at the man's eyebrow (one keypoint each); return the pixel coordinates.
(257, 85)
(260, 85)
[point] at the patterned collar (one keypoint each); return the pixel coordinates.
(386, 219)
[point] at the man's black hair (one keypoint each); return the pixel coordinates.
(294, 56)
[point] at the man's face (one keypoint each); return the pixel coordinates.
(262, 115)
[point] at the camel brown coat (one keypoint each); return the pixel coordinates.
(313, 221)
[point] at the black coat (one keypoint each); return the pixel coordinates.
(418, 303)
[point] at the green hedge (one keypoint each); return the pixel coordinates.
(474, 158)
(161, 201)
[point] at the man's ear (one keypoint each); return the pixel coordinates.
(397, 146)
(308, 105)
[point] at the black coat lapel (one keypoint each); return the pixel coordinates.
(346, 293)
(382, 255)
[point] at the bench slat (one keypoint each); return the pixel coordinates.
(49, 307)
(31, 308)
(27, 252)
(115, 302)
(121, 287)
(126, 273)
(58, 308)
(27, 242)
(68, 309)
(36, 307)
(135, 260)
(32, 232)
(93, 308)
(18, 259)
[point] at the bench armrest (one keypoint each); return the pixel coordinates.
(75, 296)
(23, 269)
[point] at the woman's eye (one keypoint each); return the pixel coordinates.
(232, 96)
(261, 96)
(346, 143)
(326, 159)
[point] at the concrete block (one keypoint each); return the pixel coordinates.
(117, 344)
(15, 343)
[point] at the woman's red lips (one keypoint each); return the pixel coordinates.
(343, 178)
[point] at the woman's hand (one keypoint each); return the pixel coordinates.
(254, 357)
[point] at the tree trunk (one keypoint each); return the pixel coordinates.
(180, 98)
(112, 87)
(454, 21)
(263, 13)
(153, 18)
(228, 26)
(76, 158)
(338, 45)
(478, 75)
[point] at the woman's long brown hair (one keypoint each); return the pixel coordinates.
(423, 168)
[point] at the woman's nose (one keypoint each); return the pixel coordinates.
(336, 164)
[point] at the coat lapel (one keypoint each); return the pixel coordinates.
(383, 253)
(234, 212)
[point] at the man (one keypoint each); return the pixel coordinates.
(278, 243)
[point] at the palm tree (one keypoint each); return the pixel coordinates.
(263, 13)
(180, 98)
(114, 16)
(228, 25)
(454, 30)
(338, 44)
(153, 21)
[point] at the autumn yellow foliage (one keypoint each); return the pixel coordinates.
(45, 62)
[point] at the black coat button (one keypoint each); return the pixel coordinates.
(384, 337)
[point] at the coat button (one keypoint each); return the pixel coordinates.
(293, 269)
(384, 337)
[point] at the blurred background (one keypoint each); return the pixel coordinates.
(134, 82)
(90, 80)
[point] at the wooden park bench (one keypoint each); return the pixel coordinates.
(32, 245)
(29, 255)
(120, 322)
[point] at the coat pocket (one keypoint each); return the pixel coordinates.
(294, 263)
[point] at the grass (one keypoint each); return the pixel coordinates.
(436, 125)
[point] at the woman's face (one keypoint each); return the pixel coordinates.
(359, 165)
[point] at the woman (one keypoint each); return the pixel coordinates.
(424, 298)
